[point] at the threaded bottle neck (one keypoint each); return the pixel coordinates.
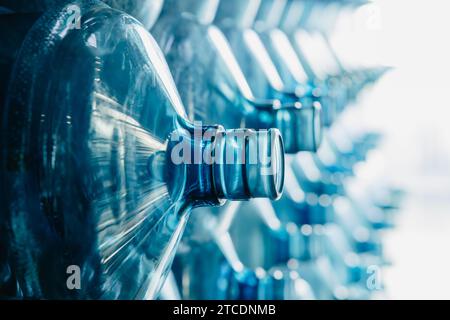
(221, 164)
(300, 126)
(249, 164)
(300, 122)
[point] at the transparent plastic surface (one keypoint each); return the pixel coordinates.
(221, 275)
(211, 85)
(240, 265)
(267, 24)
(92, 131)
(87, 111)
(255, 61)
(146, 11)
(301, 126)
(210, 92)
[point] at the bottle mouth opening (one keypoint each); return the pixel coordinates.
(301, 127)
(278, 177)
(269, 183)
(259, 171)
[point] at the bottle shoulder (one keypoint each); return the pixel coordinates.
(86, 109)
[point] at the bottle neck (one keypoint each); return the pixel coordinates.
(300, 123)
(221, 164)
(301, 126)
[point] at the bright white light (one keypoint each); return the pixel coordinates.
(411, 107)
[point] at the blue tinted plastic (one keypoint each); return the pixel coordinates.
(92, 123)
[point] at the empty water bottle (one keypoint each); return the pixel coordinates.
(207, 265)
(211, 81)
(267, 25)
(100, 164)
(244, 247)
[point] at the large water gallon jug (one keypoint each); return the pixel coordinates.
(267, 25)
(212, 84)
(335, 159)
(243, 241)
(350, 268)
(187, 263)
(207, 265)
(311, 47)
(239, 265)
(273, 247)
(206, 71)
(334, 86)
(100, 163)
(320, 233)
(235, 19)
(322, 256)
(211, 81)
(320, 17)
(351, 149)
(315, 203)
(357, 217)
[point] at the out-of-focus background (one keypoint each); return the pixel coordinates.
(411, 105)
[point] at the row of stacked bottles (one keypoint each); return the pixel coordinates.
(184, 149)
